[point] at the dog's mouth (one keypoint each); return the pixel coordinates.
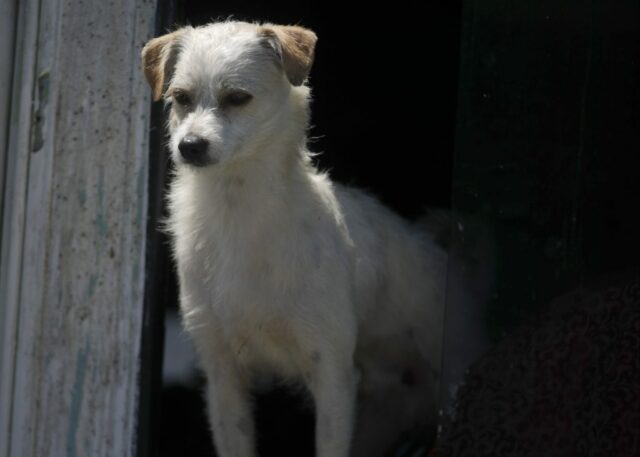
(199, 162)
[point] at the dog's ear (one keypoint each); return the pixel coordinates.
(294, 47)
(158, 61)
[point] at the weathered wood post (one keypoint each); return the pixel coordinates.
(73, 228)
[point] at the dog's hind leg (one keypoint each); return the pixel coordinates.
(393, 409)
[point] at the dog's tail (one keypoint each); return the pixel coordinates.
(469, 241)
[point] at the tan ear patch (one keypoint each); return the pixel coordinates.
(157, 61)
(296, 46)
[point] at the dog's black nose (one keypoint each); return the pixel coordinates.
(193, 150)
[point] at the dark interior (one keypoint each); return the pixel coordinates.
(525, 116)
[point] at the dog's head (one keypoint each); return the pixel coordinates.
(234, 87)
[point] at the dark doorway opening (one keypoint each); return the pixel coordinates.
(546, 145)
(383, 118)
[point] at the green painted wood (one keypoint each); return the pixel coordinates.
(77, 266)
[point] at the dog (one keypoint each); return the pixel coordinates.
(281, 271)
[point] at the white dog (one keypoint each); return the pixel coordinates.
(281, 271)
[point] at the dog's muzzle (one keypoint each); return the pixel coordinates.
(193, 150)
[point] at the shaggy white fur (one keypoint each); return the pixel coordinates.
(281, 271)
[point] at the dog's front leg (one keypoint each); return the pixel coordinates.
(230, 413)
(333, 385)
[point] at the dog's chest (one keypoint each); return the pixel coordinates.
(256, 271)
(245, 284)
(246, 303)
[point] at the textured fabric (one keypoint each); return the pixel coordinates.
(565, 384)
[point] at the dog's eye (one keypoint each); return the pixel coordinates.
(182, 98)
(236, 98)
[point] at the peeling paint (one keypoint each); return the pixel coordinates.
(76, 399)
(40, 108)
(101, 219)
(82, 196)
(141, 194)
(91, 287)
